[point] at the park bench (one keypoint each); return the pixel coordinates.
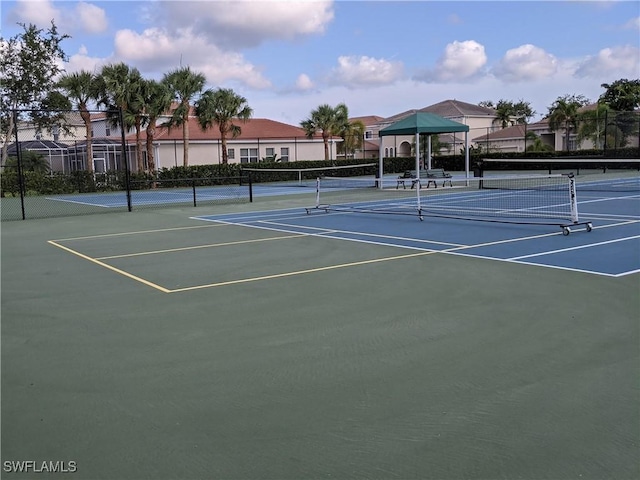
(434, 174)
(431, 175)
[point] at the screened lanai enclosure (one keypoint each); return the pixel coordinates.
(107, 155)
(55, 153)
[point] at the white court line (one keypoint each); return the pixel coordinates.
(580, 247)
(374, 235)
(456, 250)
(101, 205)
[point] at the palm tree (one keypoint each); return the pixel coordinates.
(119, 86)
(30, 161)
(155, 99)
(184, 85)
(81, 88)
(509, 113)
(564, 113)
(352, 138)
(593, 125)
(329, 121)
(504, 112)
(221, 107)
(535, 143)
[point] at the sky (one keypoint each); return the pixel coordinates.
(378, 57)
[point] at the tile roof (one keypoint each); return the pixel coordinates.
(367, 120)
(252, 129)
(516, 131)
(446, 109)
(456, 108)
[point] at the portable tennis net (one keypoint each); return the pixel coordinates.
(539, 199)
(595, 174)
(304, 177)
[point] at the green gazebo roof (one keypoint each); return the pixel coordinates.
(423, 122)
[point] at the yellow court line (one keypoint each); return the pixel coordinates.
(109, 267)
(196, 247)
(300, 272)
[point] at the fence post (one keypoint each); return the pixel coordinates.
(21, 183)
(125, 158)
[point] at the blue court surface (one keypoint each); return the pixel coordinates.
(611, 248)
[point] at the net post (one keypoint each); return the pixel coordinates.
(317, 192)
(573, 199)
(418, 187)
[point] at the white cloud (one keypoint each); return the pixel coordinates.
(525, 63)
(459, 61)
(621, 61)
(37, 12)
(633, 24)
(239, 23)
(303, 82)
(82, 61)
(91, 19)
(69, 18)
(154, 49)
(365, 71)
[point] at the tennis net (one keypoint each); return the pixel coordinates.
(539, 199)
(594, 173)
(306, 177)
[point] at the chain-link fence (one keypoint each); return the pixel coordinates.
(72, 163)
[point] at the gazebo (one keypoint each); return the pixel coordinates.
(429, 123)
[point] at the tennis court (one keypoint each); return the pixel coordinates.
(286, 338)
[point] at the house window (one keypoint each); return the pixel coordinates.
(107, 131)
(270, 154)
(368, 134)
(248, 155)
(386, 152)
(284, 154)
(231, 153)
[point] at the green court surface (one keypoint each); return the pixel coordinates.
(151, 345)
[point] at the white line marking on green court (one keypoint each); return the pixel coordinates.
(197, 247)
(139, 232)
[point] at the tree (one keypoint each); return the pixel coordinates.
(29, 62)
(329, 121)
(30, 162)
(535, 143)
(184, 85)
(622, 95)
(221, 107)
(82, 88)
(155, 99)
(510, 113)
(119, 87)
(352, 138)
(593, 125)
(564, 113)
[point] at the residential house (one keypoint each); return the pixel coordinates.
(260, 139)
(371, 144)
(514, 138)
(65, 147)
(479, 119)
